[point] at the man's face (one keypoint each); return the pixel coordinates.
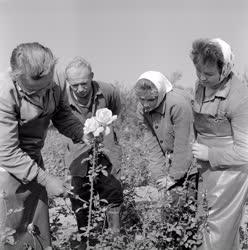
(35, 87)
(80, 81)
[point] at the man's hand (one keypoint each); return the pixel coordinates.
(165, 182)
(200, 151)
(89, 138)
(54, 185)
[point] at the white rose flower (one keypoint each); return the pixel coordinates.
(104, 116)
(98, 131)
(91, 125)
(99, 123)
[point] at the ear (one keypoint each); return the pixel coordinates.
(91, 75)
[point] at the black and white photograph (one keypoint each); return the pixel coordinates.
(123, 125)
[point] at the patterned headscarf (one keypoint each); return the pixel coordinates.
(162, 84)
(228, 57)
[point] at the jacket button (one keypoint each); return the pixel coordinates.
(161, 141)
(156, 126)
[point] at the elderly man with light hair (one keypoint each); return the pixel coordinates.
(86, 96)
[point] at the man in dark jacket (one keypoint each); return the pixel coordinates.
(86, 96)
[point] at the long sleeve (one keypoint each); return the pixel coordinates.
(237, 153)
(12, 158)
(182, 119)
(66, 123)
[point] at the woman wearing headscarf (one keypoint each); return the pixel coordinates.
(221, 125)
(167, 115)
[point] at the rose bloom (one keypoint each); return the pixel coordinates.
(91, 125)
(104, 116)
(98, 131)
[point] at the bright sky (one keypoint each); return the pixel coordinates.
(123, 39)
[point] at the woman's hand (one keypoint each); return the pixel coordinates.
(200, 151)
(165, 182)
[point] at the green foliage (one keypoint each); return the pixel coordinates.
(166, 224)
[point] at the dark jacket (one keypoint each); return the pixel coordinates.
(105, 95)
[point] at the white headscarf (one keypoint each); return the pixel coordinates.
(228, 57)
(162, 84)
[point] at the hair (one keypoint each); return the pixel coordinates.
(31, 59)
(77, 63)
(208, 52)
(145, 87)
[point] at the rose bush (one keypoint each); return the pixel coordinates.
(95, 128)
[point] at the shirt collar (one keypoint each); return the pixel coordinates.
(96, 92)
(224, 90)
(220, 93)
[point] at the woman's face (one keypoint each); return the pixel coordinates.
(148, 102)
(148, 97)
(208, 74)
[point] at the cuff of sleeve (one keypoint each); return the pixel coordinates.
(32, 175)
(79, 138)
(176, 175)
(42, 177)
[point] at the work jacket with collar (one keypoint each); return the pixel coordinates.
(24, 122)
(221, 123)
(230, 101)
(169, 130)
(104, 95)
